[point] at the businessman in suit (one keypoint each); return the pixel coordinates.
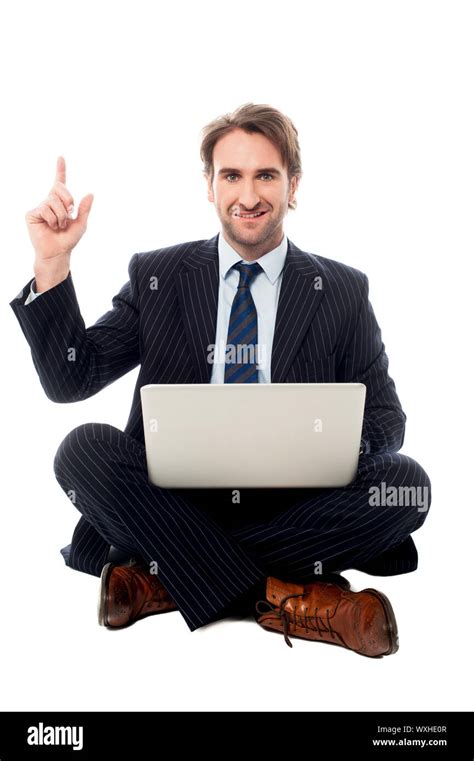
(159, 550)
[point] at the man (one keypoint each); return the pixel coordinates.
(158, 550)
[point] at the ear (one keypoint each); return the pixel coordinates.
(295, 181)
(210, 192)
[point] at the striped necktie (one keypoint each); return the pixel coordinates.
(242, 338)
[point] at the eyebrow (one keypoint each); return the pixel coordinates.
(268, 170)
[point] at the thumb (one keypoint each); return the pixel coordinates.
(84, 208)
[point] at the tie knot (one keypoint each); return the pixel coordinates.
(247, 272)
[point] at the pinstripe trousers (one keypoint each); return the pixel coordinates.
(209, 550)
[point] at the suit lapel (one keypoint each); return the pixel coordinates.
(301, 293)
(197, 284)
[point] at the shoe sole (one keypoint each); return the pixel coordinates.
(102, 606)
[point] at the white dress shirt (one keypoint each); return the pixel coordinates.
(32, 294)
(265, 290)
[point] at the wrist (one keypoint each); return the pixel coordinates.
(49, 277)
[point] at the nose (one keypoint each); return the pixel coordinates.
(248, 197)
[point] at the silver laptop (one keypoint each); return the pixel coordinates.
(252, 435)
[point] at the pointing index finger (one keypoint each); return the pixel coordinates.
(61, 170)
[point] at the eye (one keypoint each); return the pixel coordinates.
(263, 174)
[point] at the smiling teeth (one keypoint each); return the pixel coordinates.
(257, 214)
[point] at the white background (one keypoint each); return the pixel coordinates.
(382, 97)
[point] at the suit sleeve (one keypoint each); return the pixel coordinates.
(74, 362)
(366, 362)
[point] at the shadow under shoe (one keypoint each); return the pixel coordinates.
(130, 592)
(325, 612)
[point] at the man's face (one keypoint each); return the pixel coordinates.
(248, 177)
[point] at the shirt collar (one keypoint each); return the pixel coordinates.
(272, 262)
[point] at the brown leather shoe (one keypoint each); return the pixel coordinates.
(361, 621)
(129, 592)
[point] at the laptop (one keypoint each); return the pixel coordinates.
(252, 435)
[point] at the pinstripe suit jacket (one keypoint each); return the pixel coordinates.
(164, 319)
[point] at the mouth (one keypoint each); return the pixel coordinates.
(249, 217)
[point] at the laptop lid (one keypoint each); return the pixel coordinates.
(275, 435)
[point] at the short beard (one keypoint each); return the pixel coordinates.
(230, 230)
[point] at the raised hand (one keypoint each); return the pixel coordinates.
(53, 231)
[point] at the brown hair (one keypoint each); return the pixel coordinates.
(252, 117)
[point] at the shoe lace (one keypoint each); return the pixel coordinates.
(314, 622)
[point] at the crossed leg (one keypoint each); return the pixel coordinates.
(204, 564)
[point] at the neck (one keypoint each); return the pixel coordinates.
(251, 253)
